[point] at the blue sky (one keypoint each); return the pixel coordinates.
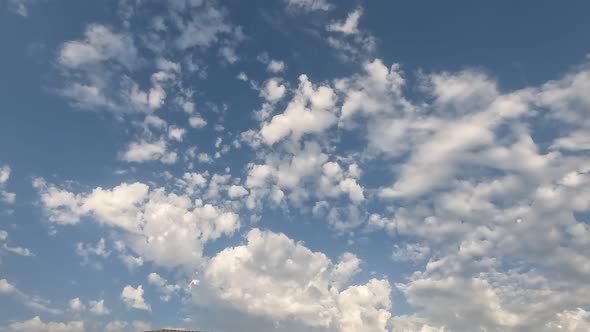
(294, 165)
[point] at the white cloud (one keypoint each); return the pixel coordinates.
(571, 321)
(35, 303)
(310, 5)
(98, 308)
(19, 251)
(166, 289)
(6, 287)
(229, 54)
(3, 235)
(242, 77)
(203, 28)
(5, 196)
(35, 324)
(204, 158)
(197, 121)
(131, 261)
(4, 174)
(100, 44)
(349, 26)
(275, 66)
(144, 151)
(165, 228)
(278, 278)
(87, 251)
(576, 141)
(237, 191)
(176, 133)
(133, 297)
(273, 90)
(76, 305)
(310, 111)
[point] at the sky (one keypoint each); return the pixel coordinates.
(294, 165)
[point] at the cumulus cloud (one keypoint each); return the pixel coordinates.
(100, 44)
(197, 121)
(133, 298)
(275, 66)
(176, 133)
(35, 324)
(278, 278)
(273, 90)
(5, 196)
(147, 219)
(76, 304)
(237, 191)
(487, 207)
(144, 151)
(310, 111)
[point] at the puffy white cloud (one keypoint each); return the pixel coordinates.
(176, 133)
(474, 301)
(197, 121)
(275, 66)
(237, 191)
(3, 235)
(349, 26)
(5, 196)
(133, 298)
(144, 151)
(567, 97)
(310, 111)
(6, 287)
(242, 77)
(76, 304)
(333, 183)
(4, 174)
(273, 90)
(165, 228)
(100, 44)
(377, 91)
(95, 307)
(278, 278)
(35, 324)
